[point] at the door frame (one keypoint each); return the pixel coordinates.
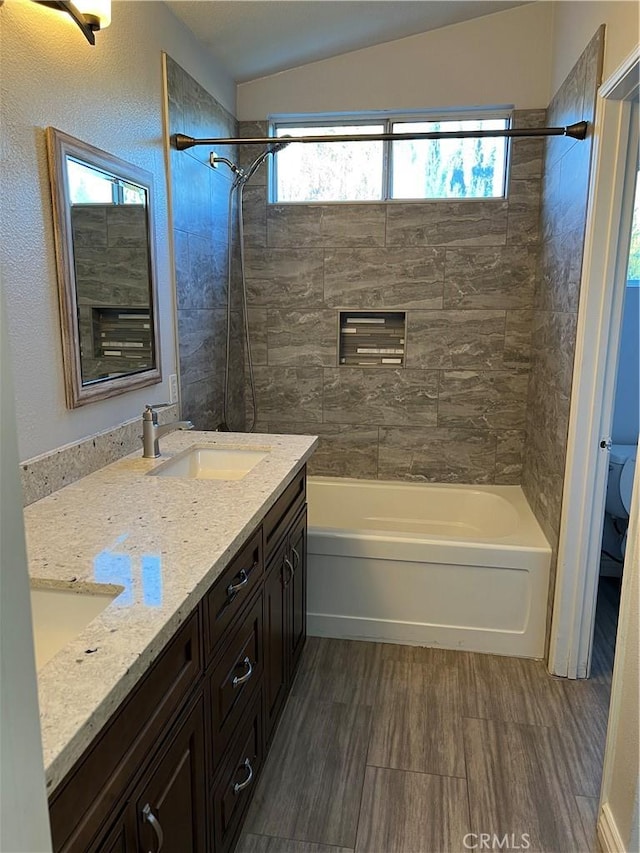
(608, 228)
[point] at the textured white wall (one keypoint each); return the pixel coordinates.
(499, 59)
(110, 96)
(575, 22)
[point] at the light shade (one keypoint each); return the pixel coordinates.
(97, 13)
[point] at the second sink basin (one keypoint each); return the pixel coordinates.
(59, 615)
(212, 463)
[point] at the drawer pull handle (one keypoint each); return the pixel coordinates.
(241, 679)
(149, 817)
(234, 588)
(240, 786)
(287, 565)
(296, 559)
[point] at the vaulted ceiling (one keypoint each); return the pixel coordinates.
(253, 39)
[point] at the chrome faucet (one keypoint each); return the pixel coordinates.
(152, 431)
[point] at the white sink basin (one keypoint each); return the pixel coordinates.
(59, 615)
(212, 463)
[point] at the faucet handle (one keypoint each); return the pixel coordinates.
(149, 413)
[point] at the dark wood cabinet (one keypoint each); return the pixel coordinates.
(178, 761)
(286, 619)
(171, 800)
(275, 620)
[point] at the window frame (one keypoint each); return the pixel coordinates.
(387, 118)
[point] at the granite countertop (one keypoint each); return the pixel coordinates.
(165, 540)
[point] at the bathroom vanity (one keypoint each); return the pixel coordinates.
(157, 717)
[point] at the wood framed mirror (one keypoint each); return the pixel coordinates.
(103, 228)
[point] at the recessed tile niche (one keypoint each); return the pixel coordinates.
(372, 338)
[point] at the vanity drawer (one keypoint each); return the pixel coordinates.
(94, 787)
(283, 512)
(234, 679)
(232, 590)
(233, 792)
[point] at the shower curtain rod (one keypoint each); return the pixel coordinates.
(574, 131)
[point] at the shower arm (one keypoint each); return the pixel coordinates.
(573, 131)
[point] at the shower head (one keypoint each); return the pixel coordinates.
(278, 146)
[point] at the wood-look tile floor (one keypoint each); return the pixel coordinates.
(396, 749)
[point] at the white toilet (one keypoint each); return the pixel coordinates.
(622, 464)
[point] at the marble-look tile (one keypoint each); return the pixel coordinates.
(384, 278)
(527, 155)
(489, 278)
(117, 276)
(524, 212)
(311, 783)
(202, 402)
(517, 338)
(509, 452)
(45, 474)
(529, 118)
(248, 153)
(593, 67)
(417, 720)
(380, 396)
(201, 336)
(560, 271)
(304, 338)
(415, 812)
(175, 95)
(491, 399)
(455, 339)
(509, 765)
(191, 196)
(344, 450)
(204, 116)
(325, 226)
(89, 226)
(289, 392)
(437, 455)
(203, 284)
(284, 278)
(258, 334)
(566, 108)
(447, 223)
(255, 215)
(573, 188)
(126, 225)
(353, 225)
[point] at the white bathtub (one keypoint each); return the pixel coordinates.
(461, 567)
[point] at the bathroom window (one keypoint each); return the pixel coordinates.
(382, 171)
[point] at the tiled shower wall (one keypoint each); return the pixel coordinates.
(563, 218)
(200, 219)
(464, 272)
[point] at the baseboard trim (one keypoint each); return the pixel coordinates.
(608, 833)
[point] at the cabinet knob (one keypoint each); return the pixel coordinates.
(240, 786)
(149, 817)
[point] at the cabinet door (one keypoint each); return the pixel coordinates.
(275, 620)
(171, 800)
(121, 838)
(297, 592)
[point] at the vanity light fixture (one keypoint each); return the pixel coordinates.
(89, 15)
